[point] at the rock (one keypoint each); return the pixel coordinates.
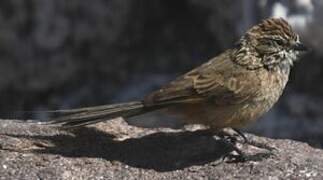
(115, 150)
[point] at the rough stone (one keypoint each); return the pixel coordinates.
(114, 150)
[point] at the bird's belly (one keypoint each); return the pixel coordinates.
(217, 117)
(243, 114)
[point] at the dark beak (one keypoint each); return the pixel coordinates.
(299, 47)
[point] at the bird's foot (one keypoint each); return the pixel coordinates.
(236, 155)
(252, 142)
(242, 157)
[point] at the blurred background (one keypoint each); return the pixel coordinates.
(57, 54)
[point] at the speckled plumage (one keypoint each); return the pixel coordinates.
(231, 90)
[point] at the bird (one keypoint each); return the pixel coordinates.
(231, 90)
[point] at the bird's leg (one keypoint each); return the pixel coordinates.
(228, 136)
(240, 156)
(251, 142)
(230, 140)
(240, 133)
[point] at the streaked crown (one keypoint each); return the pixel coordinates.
(274, 28)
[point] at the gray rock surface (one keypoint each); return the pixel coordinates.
(115, 150)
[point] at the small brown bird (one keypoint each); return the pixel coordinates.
(231, 90)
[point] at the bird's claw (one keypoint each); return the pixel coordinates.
(235, 158)
(240, 156)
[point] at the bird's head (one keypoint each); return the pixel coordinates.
(274, 42)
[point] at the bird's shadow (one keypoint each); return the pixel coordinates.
(159, 151)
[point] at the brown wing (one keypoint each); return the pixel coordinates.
(220, 80)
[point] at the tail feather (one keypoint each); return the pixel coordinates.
(92, 115)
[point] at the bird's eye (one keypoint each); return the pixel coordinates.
(279, 42)
(267, 42)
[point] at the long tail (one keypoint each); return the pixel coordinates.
(91, 115)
